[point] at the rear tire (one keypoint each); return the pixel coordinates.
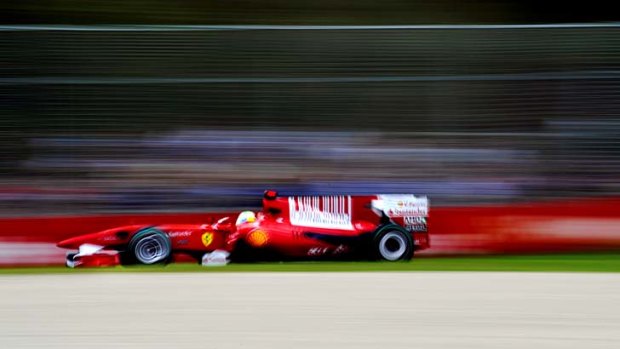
(393, 243)
(150, 246)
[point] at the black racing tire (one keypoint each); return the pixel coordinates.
(150, 246)
(392, 243)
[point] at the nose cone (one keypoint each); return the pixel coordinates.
(70, 243)
(102, 238)
(110, 237)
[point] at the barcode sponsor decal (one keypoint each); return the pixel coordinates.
(321, 211)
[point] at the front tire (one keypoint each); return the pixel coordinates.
(150, 246)
(393, 243)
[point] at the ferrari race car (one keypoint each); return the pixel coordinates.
(385, 227)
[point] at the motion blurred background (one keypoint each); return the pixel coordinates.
(130, 106)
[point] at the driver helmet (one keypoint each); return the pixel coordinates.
(246, 217)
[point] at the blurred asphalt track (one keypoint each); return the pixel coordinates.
(310, 310)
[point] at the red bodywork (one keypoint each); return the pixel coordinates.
(290, 227)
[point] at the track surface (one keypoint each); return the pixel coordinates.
(311, 310)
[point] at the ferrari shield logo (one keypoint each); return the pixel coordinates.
(207, 238)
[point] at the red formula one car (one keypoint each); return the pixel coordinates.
(386, 227)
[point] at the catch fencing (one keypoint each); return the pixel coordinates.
(519, 78)
(532, 109)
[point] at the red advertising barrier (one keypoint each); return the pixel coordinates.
(579, 225)
(563, 226)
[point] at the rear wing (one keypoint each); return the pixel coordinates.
(340, 211)
(409, 211)
(399, 205)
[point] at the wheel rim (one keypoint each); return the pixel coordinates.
(392, 246)
(151, 249)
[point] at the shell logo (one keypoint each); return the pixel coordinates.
(207, 238)
(257, 238)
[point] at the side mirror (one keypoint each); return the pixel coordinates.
(223, 224)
